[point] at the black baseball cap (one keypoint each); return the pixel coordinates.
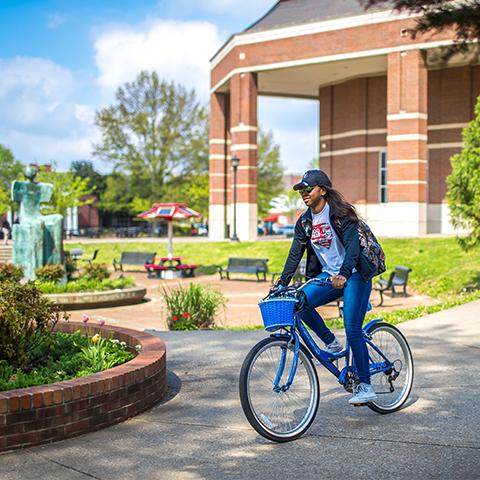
(311, 178)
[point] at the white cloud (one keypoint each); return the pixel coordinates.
(294, 124)
(43, 148)
(40, 119)
(178, 51)
(31, 89)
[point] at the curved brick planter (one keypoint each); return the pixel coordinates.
(108, 298)
(29, 416)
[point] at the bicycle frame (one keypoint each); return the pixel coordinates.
(325, 358)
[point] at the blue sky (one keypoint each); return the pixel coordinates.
(60, 61)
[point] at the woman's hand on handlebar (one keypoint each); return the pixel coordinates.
(338, 281)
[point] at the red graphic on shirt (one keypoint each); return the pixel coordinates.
(322, 235)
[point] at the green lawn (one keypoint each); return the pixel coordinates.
(440, 268)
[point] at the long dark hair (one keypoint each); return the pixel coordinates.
(339, 207)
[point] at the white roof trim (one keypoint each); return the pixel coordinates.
(330, 58)
(307, 29)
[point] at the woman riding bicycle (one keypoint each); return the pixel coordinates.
(328, 230)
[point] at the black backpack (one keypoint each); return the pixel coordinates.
(370, 247)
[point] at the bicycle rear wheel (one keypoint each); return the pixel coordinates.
(281, 416)
(390, 341)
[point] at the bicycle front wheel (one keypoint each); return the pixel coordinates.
(278, 416)
(392, 387)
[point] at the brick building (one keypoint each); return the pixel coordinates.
(391, 115)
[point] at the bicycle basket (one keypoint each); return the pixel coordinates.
(277, 313)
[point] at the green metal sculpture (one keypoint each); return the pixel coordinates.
(37, 239)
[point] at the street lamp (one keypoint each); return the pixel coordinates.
(235, 161)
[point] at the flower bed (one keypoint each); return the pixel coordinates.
(47, 413)
(63, 356)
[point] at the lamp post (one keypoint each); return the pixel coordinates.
(235, 161)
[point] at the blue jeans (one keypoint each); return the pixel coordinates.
(355, 304)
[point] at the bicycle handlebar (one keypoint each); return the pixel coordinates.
(293, 290)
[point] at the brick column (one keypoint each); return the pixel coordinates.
(243, 108)
(407, 162)
(326, 129)
(218, 165)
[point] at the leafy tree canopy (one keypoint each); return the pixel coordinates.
(464, 183)
(68, 191)
(155, 135)
(85, 169)
(270, 172)
(10, 170)
(462, 16)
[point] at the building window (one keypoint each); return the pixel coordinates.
(383, 192)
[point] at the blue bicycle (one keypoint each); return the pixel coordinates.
(279, 388)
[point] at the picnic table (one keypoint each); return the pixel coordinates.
(172, 264)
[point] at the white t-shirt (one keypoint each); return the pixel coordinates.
(325, 242)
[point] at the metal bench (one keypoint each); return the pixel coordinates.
(298, 276)
(91, 259)
(133, 258)
(397, 278)
(258, 266)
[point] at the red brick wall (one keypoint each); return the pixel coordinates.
(89, 215)
(452, 93)
(355, 105)
(47, 413)
(357, 39)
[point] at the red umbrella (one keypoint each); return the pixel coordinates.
(169, 212)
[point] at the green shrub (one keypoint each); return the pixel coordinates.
(50, 273)
(65, 356)
(26, 322)
(70, 267)
(192, 307)
(9, 271)
(96, 271)
(86, 285)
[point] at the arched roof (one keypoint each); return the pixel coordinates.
(288, 13)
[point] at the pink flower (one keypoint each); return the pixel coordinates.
(101, 322)
(85, 318)
(186, 315)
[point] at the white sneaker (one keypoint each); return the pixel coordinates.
(334, 347)
(364, 393)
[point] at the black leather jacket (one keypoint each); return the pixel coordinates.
(348, 235)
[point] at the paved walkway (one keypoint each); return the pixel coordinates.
(242, 303)
(201, 433)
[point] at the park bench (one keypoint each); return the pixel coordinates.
(91, 259)
(398, 278)
(298, 276)
(257, 266)
(133, 258)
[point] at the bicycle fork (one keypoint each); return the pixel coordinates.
(277, 388)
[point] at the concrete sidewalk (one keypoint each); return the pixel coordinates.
(200, 431)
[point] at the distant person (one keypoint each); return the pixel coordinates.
(6, 231)
(329, 231)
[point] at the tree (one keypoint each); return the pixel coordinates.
(463, 16)
(68, 191)
(85, 169)
(155, 134)
(270, 172)
(10, 169)
(464, 183)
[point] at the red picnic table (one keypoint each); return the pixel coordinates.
(169, 263)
